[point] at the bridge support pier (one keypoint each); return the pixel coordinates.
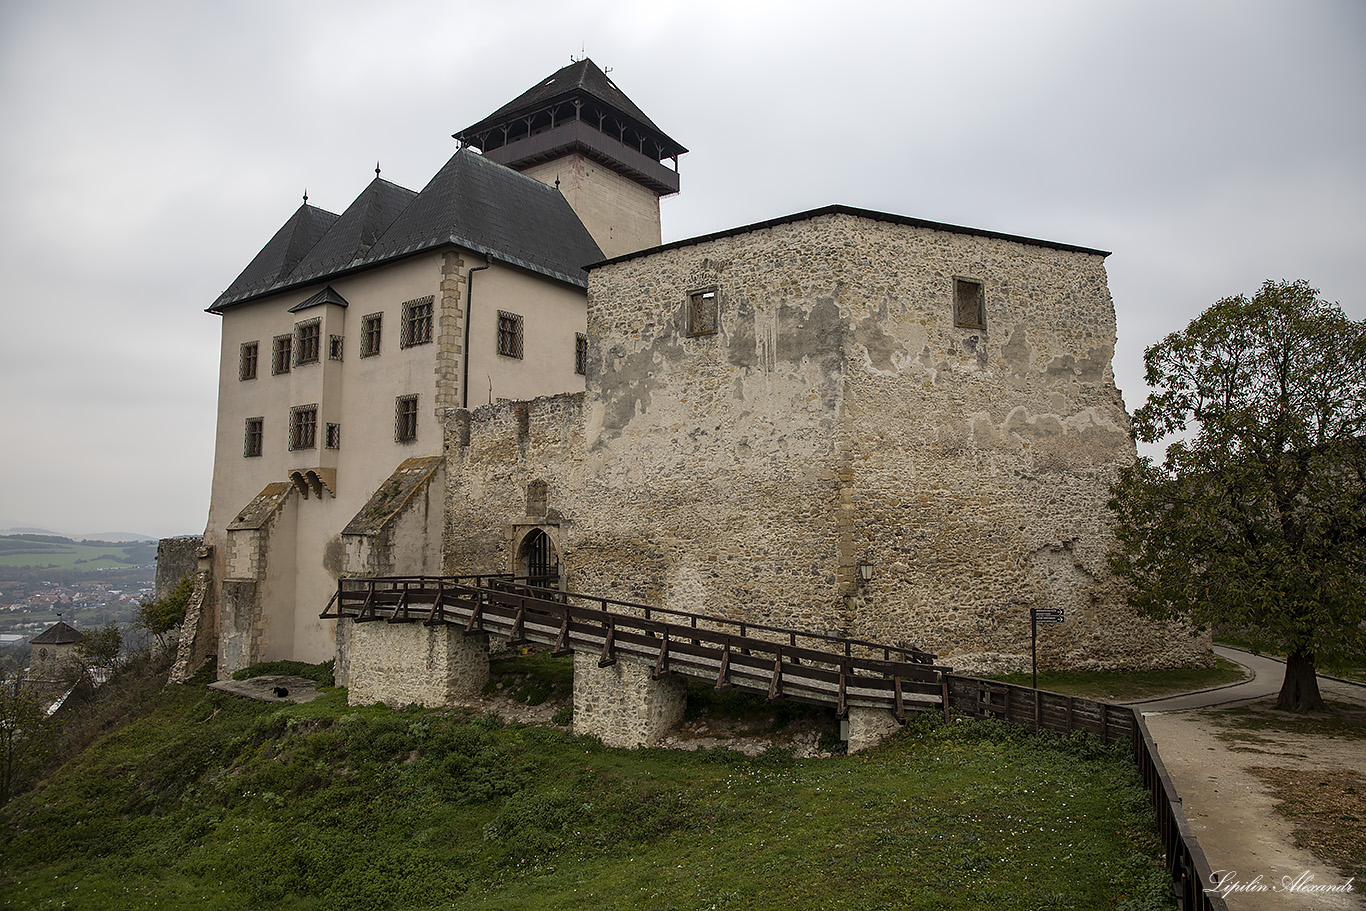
(622, 704)
(866, 727)
(408, 663)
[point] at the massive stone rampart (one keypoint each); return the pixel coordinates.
(769, 409)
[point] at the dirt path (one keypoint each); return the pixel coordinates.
(1235, 765)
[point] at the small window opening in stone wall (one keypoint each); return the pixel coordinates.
(536, 495)
(417, 323)
(334, 347)
(371, 329)
(246, 366)
(702, 312)
(509, 334)
(969, 304)
(284, 345)
(333, 436)
(303, 427)
(580, 353)
(308, 344)
(405, 419)
(251, 443)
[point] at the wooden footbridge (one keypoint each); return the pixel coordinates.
(770, 660)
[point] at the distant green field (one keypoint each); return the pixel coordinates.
(63, 553)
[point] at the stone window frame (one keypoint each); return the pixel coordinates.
(282, 348)
(580, 354)
(405, 419)
(969, 303)
(509, 334)
(332, 436)
(336, 344)
(248, 359)
(253, 436)
(308, 349)
(303, 427)
(416, 328)
(371, 334)
(703, 311)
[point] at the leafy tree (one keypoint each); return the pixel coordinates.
(25, 742)
(101, 649)
(1257, 517)
(160, 617)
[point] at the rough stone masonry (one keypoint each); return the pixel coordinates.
(770, 407)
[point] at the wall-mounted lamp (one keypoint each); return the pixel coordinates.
(865, 571)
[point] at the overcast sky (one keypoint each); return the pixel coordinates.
(151, 148)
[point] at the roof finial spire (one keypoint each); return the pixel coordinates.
(305, 195)
(376, 167)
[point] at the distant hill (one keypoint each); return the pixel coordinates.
(57, 551)
(112, 536)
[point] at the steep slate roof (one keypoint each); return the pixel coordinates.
(472, 202)
(581, 77)
(480, 205)
(282, 253)
(58, 633)
(355, 232)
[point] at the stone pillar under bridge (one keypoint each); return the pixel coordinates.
(622, 704)
(409, 663)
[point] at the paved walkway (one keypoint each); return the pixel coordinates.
(1231, 809)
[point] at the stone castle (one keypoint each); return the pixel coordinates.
(839, 420)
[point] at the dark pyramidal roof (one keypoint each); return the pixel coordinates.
(471, 202)
(58, 633)
(582, 77)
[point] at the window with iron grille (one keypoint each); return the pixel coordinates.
(333, 436)
(969, 304)
(405, 419)
(308, 342)
(509, 334)
(334, 347)
(282, 348)
(246, 365)
(702, 312)
(303, 427)
(251, 443)
(371, 326)
(417, 323)
(580, 353)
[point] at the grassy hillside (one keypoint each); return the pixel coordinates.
(63, 553)
(207, 801)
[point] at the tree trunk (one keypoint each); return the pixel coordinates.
(1300, 691)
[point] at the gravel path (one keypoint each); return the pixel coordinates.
(1232, 810)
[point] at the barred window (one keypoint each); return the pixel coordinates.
(333, 436)
(308, 344)
(334, 347)
(303, 427)
(283, 347)
(509, 334)
(251, 443)
(969, 304)
(417, 323)
(702, 312)
(246, 365)
(371, 326)
(580, 353)
(405, 419)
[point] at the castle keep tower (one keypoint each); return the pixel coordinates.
(578, 131)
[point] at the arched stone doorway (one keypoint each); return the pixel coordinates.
(538, 561)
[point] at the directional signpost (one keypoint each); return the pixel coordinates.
(1039, 615)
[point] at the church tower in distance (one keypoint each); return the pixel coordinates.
(576, 130)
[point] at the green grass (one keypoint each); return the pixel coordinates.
(208, 801)
(1130, 686)
(1350, 668)
(27, 550)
